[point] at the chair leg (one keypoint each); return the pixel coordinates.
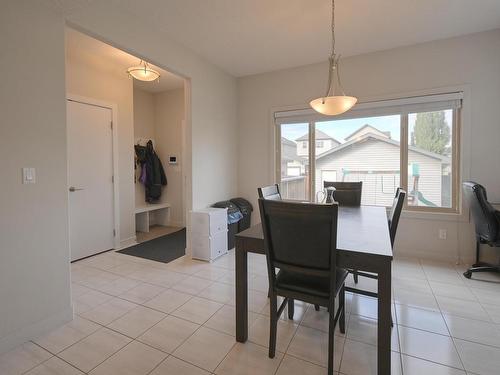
(331, 340)
(342, 312)
(291, 308)
(273, 303)
(316, 307)
(355, 276)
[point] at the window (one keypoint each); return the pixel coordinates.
(410, 142)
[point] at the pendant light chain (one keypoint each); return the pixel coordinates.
(332, 59)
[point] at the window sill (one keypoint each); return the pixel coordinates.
(435, 216)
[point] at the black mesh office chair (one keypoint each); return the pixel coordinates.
(301, 240)
(346, 193)
(487, 223)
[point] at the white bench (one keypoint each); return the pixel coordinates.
(151, 214)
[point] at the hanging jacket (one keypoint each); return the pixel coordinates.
(154, 175)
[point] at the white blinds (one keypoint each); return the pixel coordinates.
(401, 106)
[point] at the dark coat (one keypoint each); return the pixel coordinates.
(155, 174)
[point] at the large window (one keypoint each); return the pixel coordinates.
(410, 143)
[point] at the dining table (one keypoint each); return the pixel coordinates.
(363, 244)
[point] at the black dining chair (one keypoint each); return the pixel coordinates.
(270, 192)
(346, 193)
(487, 224)
(301, 241)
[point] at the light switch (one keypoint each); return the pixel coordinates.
(29, 176)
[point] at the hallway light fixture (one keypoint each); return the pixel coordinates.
(143, 72)
(332, 104)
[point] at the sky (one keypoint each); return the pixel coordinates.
(339, 129)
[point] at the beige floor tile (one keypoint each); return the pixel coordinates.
(22, 359)
(491, 297)
(360, 305)
(474, 330)
(429, 346)
(364, 329)
(312, 345)
(415, 299)
(465, 309)
(426, 320)
(78, 290)
(119, 286)
(298, 313)
(109, 311)
(319, 319)
(294, 366)
(197, 310)
(168, 301)
(142, 293)
(89, 300)
(479, 359)
(415, 285)
(452, 290)
(206, 348)
(168, 334)
(361, 359)
(259, 283)
(98, 280)
(258, 333)
(224, 320)
(167, 278)
(416, 366)
(249, 359)
(257, 301)
(493, 312)
(218, 292)
(174, 366)
(126, 269)
(94, 349)
(192, 285)
(212, 273)
(133, 359)
(54, 366)
(137, 321)
(65, 336)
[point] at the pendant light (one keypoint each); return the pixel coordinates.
(332, 104)
(143, 72)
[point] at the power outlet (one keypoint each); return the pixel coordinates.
(442, 234)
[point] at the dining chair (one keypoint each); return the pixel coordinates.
(486, 222)
(346, 193)
(392, 222)
(270, 192)
(301, 241)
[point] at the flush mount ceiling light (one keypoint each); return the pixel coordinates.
(332, 104)
(143, 72)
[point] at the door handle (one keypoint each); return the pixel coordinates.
(73, 189)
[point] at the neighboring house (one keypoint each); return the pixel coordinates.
(371, 156)
(324, 142)
(291, 163)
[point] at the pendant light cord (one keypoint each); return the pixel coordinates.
(331, 59)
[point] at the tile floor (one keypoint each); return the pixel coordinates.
(138, 317)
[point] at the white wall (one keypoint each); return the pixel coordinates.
(34, 253)
(160, 117)
(472, 60)
(98, 82)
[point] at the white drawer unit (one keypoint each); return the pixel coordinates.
(209, 233)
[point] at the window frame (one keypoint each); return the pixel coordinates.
(455, 156)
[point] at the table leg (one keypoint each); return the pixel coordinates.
(241, 293)
(384, 321)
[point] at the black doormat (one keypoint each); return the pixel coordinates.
(162, 249)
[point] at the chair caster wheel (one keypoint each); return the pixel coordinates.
(468, 274)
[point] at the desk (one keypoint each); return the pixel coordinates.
(363, 244)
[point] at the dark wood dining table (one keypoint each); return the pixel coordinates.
(363, 244)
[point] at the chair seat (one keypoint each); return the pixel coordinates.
(308, 284)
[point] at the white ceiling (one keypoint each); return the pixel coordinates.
(252, 36)
(101, 55)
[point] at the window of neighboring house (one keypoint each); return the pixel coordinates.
(410, 143)
(304, 144)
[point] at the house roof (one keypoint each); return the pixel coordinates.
(318, 135)
(367, 136)
(288, 142)
(371, 128)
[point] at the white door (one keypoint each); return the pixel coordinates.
(90, 178)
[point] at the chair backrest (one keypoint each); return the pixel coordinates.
(483, 213)
(395, 213)
(299, 237)
(270, 192)
(346, 193)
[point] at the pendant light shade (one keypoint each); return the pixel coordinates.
(332, 104)
(143, 72)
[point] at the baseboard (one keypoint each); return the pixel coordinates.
(432, 255)
(37, 329)
(127, 242)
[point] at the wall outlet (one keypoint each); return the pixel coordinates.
(442, 234)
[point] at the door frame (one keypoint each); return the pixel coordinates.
(115, 155)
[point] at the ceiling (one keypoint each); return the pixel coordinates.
(246, 37)
(101, 55)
